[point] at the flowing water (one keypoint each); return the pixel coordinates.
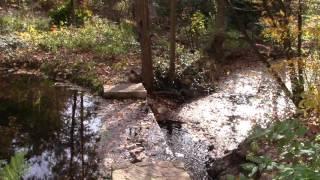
(55, 125)
(186, 148)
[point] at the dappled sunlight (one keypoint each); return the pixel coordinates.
(243, 100)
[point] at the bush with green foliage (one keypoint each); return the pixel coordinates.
(295, 156)
(15, 169)
(97, 35)
(18, 23)
(191, 72)
(62, 15)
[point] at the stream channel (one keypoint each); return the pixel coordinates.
(58, 126)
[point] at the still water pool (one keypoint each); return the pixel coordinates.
(55, 125)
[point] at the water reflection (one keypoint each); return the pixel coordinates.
(56, 126)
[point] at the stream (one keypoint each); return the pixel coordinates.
(54, 124)
(68, 133)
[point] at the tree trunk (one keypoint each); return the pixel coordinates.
(143, 24)
(73, 11)
(173, 19)
(294, 77)
(3, 4)
(219, 35)
(300, 63)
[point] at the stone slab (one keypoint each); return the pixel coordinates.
(130, 134)
(125, 91)
(160, 170)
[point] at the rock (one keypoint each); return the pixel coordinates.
(187, 93)
(130, 147)
(178, 164)
(141, 157)
(162, 110)
(161, 113)
(137, 150)
(125, 91)
(210, 147)
(135, 159)
(161, 170)
(134, 76)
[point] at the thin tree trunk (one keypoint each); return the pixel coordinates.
(221, 16)
(143, 24)
(3, 3)
(300, 63)
(173, 19)
(219, 34)
(216, 50)
(294, 79)
(73, 11)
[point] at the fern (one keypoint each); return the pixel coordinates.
(15, 169)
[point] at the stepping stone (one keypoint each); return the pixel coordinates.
(125, 91)
(161, 170)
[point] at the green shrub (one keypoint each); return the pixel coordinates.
(190, 71)
(15, 169)
(198, 22)
(97, 35)
(294, 155)
(62, 15)
(16, 23)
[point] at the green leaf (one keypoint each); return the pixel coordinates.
(250, 168)
(15, 169)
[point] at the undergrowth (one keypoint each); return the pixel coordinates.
(98, 38)
(286, 150)
(12, 23)
(15, 169)
(97, 35)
